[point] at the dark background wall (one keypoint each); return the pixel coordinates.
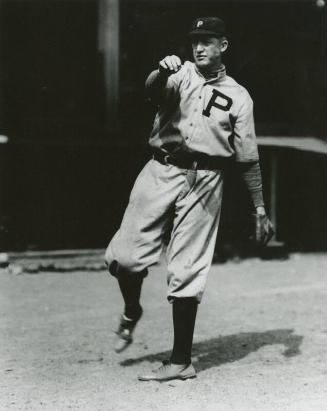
(68, 175)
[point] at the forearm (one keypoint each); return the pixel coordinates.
(155, 84)
(251, 175)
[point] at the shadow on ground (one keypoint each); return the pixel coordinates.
(225, 349)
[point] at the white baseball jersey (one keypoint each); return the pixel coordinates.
(213, 116)
(206, 116)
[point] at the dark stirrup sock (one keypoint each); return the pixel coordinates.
(184, 314)
(130, 286)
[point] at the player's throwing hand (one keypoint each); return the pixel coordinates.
(170, 65)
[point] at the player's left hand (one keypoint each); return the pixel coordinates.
(263, 229)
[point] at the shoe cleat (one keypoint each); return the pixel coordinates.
(168, 371)
(124, 334)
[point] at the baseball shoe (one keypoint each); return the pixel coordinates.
(168, 371)
(124, 334)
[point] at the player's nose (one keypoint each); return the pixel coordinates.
(199, 47)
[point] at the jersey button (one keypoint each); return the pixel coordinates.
(200, 97)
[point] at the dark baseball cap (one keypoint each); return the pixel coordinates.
(213, 26)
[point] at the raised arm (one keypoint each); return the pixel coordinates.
(157, 81)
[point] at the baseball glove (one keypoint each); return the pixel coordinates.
(262, 230)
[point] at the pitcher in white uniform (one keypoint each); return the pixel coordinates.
(204, 125)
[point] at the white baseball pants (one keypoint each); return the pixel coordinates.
(188, 202)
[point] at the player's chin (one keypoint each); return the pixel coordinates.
(202, 63)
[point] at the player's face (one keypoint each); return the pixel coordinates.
(207, 51)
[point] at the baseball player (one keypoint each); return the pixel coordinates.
(203, 126)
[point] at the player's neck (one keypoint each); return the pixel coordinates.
(211, 72)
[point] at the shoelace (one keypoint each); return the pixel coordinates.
(165, 365)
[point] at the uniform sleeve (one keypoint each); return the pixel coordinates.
(160, 88)
(245, 144)
(251, 175)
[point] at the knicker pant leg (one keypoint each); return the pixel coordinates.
(138, 242)
(192, 243)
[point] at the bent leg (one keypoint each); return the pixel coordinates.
(138, 242)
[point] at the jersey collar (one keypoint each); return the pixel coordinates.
(219, 75)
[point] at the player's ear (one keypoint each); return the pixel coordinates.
(223, 44)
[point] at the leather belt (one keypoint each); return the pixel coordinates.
(191, 161)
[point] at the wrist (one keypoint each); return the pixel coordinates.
(260, 210)
(162, 74)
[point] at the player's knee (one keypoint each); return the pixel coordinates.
(122, 262)
(108, 257)
(111, 262)
(128, 263)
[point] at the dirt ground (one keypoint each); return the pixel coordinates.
(260, 341)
